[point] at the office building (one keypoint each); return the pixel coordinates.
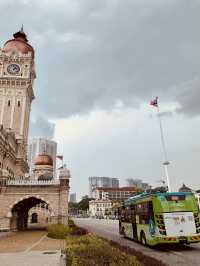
(114, 194)
(72, 197)
(138, 183)
(99, 181)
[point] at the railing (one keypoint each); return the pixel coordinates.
(32, 182)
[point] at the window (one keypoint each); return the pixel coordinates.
(145, 212)
(18, 103)
(8, 102)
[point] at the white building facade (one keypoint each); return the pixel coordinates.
(100, 208)
(39, 146)
(114, 194)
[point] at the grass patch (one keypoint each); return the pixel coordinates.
(94, 251)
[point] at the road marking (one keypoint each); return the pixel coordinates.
(35, 244)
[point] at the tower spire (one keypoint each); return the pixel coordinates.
(21, 34)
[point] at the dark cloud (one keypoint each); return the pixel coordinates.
(188, 95)
(41, 127)
(90, 54)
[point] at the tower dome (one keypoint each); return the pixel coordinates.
(44, 159)
(19, 43)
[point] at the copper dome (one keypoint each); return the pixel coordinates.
(44, 159)
(20, 43)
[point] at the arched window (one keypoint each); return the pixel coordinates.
(18, 103)
(8, 102)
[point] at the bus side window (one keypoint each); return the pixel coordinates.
(144, 212)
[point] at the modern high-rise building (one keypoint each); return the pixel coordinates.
(38, 146)
(72, 197)
(100, 181)
(138, 183)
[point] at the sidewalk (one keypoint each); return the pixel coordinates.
(32, 258)
(30, 248)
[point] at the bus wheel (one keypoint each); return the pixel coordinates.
(143, 239)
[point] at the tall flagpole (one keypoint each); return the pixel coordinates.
(166, 162)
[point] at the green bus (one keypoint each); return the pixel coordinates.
(158, 218)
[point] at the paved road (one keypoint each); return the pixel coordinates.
(30, 248)
(174, 256)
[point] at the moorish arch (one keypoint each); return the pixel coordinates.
(18, 213)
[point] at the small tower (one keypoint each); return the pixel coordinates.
(64, 177)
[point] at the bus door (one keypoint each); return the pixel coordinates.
(133, 218)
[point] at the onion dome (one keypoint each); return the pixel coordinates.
(19, 43)
(44, 159)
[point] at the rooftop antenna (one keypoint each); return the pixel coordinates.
(22, 28)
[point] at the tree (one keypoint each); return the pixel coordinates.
(84, 203)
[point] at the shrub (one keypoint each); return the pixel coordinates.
(93, 251)
(71, 223)
(59, 231)
(78, 231)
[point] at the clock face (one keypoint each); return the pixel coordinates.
(13, 69)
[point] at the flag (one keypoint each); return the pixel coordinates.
(59, 157)
(154, 102)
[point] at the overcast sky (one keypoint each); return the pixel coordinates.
(99, 63)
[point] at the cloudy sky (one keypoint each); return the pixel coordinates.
(99, 63)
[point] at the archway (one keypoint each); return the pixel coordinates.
(20, 211)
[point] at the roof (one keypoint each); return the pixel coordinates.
(108, 189)
(19, 43)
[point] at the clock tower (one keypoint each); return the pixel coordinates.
(17, 74)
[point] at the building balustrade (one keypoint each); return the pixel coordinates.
(33, 182)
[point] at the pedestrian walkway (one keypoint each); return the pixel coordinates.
(30, 248)
(32, 258)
